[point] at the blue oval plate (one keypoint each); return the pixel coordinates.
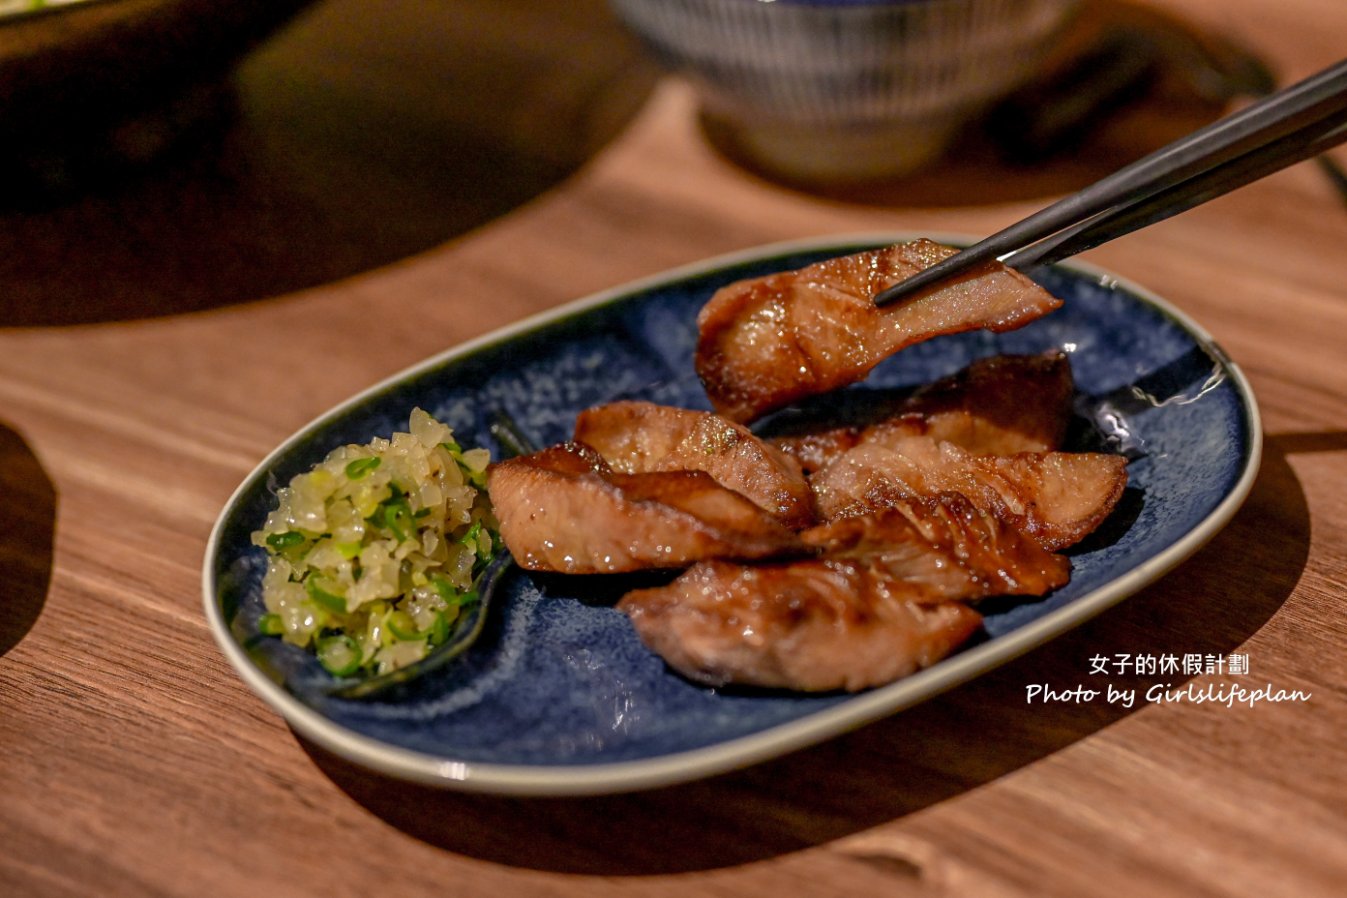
(559, 696)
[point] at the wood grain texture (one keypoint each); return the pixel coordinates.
(159, 335)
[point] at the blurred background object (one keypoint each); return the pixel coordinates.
(355, 135)
(1121, 65)
(92, 85)
(847, 90)
(1059, 110)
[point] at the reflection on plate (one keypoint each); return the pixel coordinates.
(559, 696)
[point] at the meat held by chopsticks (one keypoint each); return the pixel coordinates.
(638, 437)
(766, 342)
(1056, 497)
(564, 509)
(996, 406)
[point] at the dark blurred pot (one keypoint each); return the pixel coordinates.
(73, 75)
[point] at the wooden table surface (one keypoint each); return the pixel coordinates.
(393, 181)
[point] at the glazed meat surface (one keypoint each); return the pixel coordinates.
(1056, 497)
(769, 341)
(944, 547)
(813, 625)
(996, 406)
(564, 509)
(882, 601)
(639, 437)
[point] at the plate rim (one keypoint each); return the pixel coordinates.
(743, 751)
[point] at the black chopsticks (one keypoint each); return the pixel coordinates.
(1283, 128)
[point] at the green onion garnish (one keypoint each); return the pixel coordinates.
(329, 600)
(469, 539)
(445, 590)
(287, 540)
(362, 466)
(401, 625)
(439, 629)
(397, 518)
(339, 655)
(349, 550)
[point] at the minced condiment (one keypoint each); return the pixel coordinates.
(372, 554)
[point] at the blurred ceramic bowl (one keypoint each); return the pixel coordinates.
(846, 90)
(86, 79)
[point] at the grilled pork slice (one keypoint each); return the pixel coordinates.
(766, 342)
(879, 605)
(944, 547)
(638, 437)
(996, 406)
(814, 625)
(999, 405)
(1056, 497)
(564, 509)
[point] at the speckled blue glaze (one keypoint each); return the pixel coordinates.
(559, 677)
